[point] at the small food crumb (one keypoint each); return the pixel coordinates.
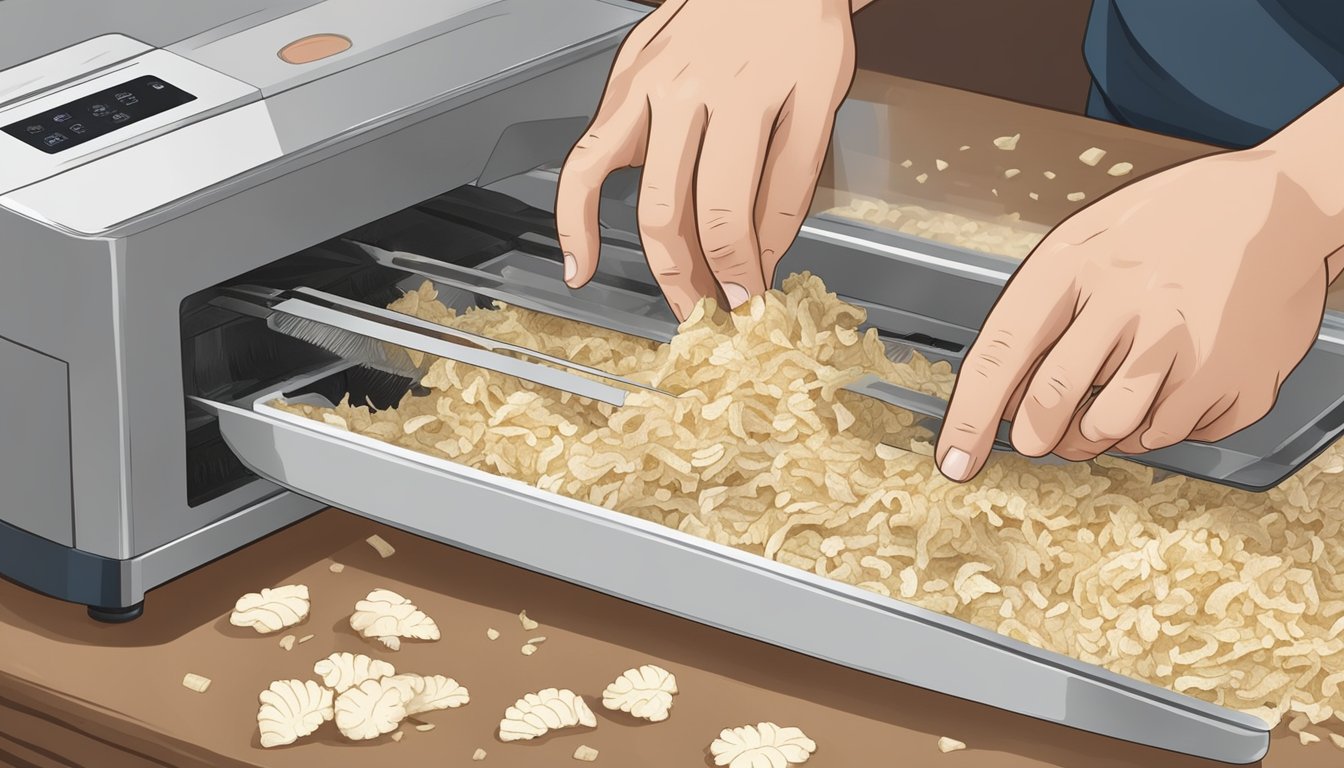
(336, 568)
(907, 164)
(940, 164)
(196, 683)
(1010, 173)
(527, 623)
(397, 736)
(921, 178)
(1120, 169)
(1033, 196)
(995, 192)
(1306, 737)
(380, 545)
(964, 147)
(585, 753)
(537, 640)
(1092, 156)
(1007, 142)
(287, 642)
(529, 649)
(1049, 174)
(423, 727)
(492, 633)
(946, 745)
(478, 755)
(306, 638)
(412, 426)
(1076, 196)
(1337, 739)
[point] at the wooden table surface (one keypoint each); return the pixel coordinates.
(76, 693)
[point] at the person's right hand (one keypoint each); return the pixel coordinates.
(728, 105)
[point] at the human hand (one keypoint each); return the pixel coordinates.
(728, 105)
(1187, 297)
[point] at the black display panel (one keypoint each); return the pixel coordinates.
(98, 114)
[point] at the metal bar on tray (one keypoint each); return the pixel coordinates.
(537, 299)
(471, 349)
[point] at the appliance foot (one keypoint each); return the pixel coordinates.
(117, 615)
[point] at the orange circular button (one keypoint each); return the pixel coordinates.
(312, 48)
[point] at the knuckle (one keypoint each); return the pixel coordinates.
(587, 158)
(993, 349)
(725, 236)
(984, 363)
(658, 217)
(1052, 388)
(965, 428)
(665, 269)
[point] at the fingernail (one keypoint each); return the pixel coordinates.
(957, 465)
(571, 267)
(736, 295)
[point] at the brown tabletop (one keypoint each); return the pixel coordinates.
(890, 121)
(76, 693)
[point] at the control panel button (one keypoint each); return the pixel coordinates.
(95, 115)
(312, 48)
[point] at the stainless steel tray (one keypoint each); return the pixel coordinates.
(913, 287)
(715, 585)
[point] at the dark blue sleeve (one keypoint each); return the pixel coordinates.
(1226, 72)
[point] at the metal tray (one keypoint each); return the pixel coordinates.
(916, 288)
(716, 585)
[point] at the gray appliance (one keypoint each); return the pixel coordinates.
(356, 149)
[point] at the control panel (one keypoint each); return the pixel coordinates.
(98, 114)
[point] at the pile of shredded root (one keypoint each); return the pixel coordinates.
(1007, 235)
(1232, 597)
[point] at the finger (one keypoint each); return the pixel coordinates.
(1232, 414)
(1180, 414)
(1028, 318)
(1075, 447)
(1133, 443)
(1126, 400)
(608, 144)
(667, 208)
(1064, 380)
(727, 183)
(789, 180)
(1015, 402)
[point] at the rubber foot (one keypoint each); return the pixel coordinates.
(116, 615)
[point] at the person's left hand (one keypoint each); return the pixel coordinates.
(1186, 297)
